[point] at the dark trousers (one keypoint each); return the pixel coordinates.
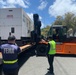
(0, 69)
(50, 61)
(11, 72)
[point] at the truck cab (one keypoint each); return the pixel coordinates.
(59, 32)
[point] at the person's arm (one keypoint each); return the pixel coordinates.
(18, 50)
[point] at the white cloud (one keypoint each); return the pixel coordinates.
(13, 3)
(30, 15)
(42, 25)
(60, 7)
(42, 5)
(40, 17)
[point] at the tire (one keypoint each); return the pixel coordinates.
(41, 50)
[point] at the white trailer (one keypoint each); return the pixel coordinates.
(16, 22)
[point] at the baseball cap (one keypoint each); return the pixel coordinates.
(11, 38)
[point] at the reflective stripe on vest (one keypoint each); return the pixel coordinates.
(10, 62)
(52, 47)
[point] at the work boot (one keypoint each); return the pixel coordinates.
(52, 74)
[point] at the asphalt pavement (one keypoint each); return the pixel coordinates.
(38, 66)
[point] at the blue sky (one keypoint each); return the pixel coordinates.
(48, 10)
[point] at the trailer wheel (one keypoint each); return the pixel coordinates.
(41, 50)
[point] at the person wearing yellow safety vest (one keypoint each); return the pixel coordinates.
(51, 53)
(10, 53)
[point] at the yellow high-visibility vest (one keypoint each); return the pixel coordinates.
(52, 47)
(10, 62)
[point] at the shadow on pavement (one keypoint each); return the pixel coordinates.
(65, 55)
(24, 56)
(48, 73)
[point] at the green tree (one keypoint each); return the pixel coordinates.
(45, 30)
(58, 20)
(70, 21)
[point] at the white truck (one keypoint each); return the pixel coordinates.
(14, 21)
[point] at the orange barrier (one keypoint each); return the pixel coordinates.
(66, 48)
(59, 48)
(70, 48)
